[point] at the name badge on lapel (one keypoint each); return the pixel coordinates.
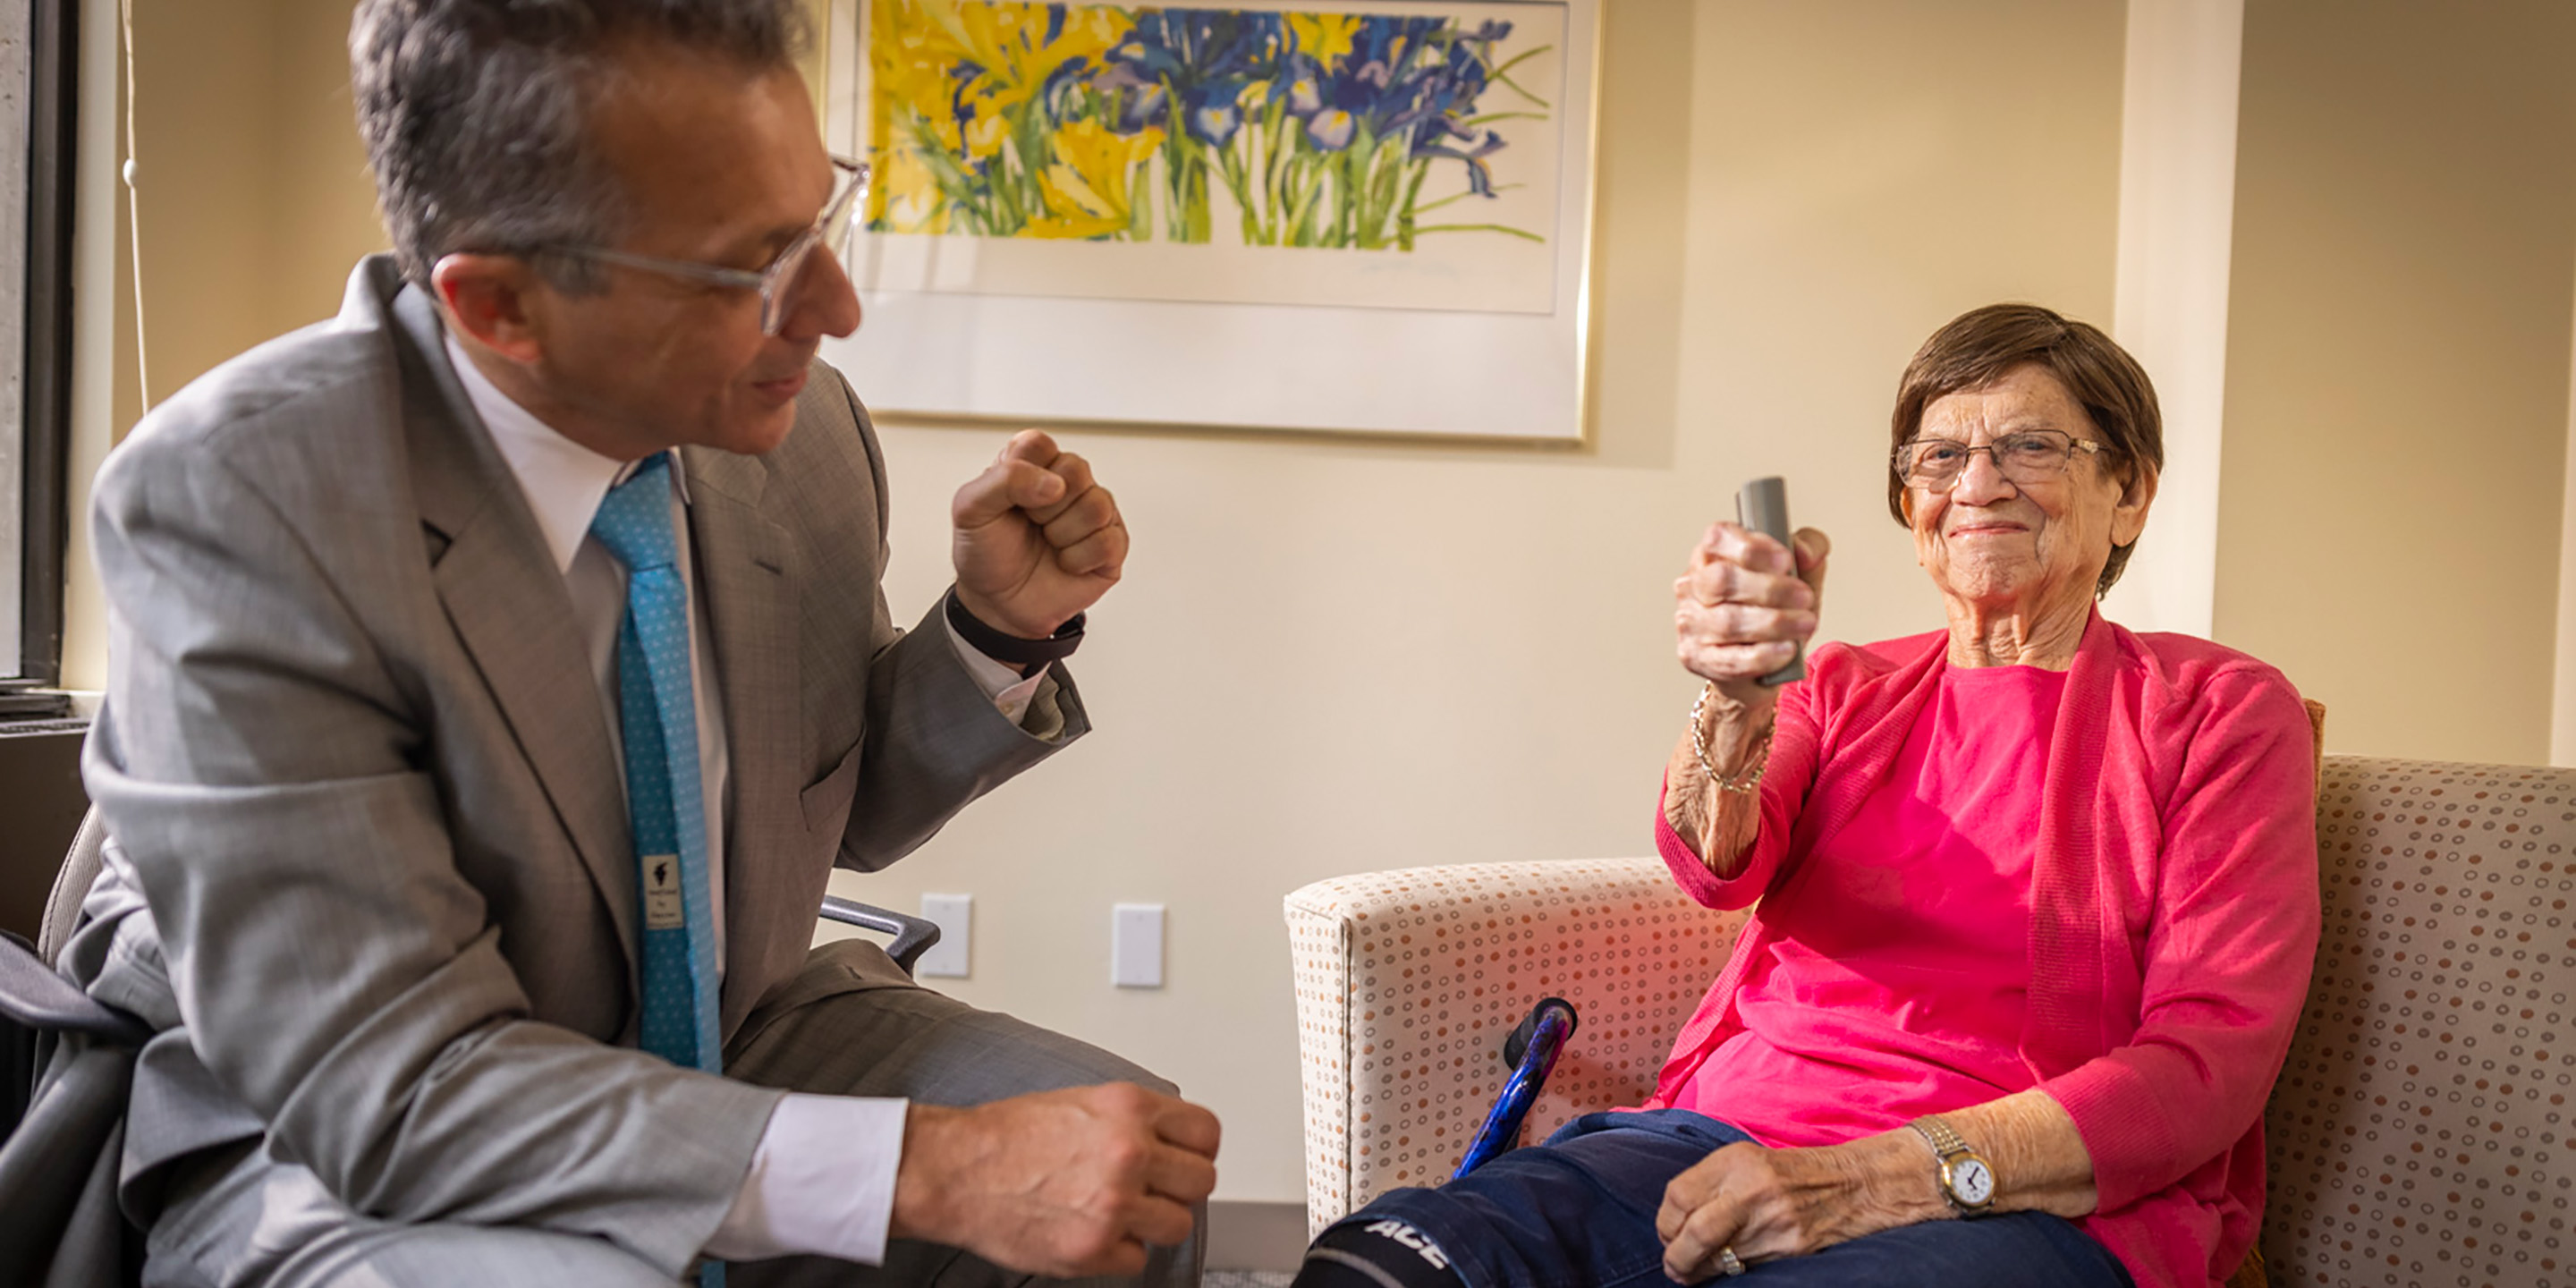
(662, 892)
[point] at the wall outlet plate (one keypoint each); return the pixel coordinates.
(1136, 945)
(950, 958)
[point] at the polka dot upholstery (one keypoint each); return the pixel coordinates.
(1407, 982)
(2419, 1134)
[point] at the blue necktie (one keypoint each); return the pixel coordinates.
(658, 708)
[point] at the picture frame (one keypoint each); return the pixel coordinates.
(1296, 216)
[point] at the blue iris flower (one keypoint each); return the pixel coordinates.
(1139, 105)
(1212, 113)
(1300, 86)
(1331, 128)
(1403, 76)
(1414, 79)
(1195, 45)
(1206, 56)
(1443, 136)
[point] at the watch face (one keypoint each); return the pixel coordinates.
(1970, 1180)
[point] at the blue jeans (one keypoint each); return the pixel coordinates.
(1580, 1211)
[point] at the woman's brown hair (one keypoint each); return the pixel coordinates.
(1976, 348)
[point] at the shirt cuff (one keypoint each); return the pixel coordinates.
(821, 1182)
(1001, 681)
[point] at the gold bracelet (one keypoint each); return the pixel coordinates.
(1699, 743)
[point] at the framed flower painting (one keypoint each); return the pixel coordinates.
(1289, 214)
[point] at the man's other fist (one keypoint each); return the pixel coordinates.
(1060, 1183)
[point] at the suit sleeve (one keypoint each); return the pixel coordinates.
(934, 741)
(2227, 956)
(260, 766)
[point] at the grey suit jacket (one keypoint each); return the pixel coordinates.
(372, 875)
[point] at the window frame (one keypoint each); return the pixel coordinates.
(53, 61)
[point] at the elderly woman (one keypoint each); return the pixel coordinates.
(2038, 903)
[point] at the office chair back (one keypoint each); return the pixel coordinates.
(71, 885)
(59, 1151)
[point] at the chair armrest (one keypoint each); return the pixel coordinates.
(33, 994)
(913, 936)
(1408, 981)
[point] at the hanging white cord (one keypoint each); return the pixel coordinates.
(134, 207)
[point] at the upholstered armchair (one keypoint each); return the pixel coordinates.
(2419, 1134)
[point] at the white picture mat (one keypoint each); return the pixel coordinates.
(1354, 370)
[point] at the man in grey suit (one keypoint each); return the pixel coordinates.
(379, 781)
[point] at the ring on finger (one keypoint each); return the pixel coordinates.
(1729, 1265)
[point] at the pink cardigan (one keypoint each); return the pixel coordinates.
(2173, 910)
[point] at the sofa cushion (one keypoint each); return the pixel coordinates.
(2419, 1134)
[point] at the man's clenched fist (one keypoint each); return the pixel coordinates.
(1037, 539)
(1060, 1183)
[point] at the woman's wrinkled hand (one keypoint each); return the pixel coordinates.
(1765, 1204)
(1746, 607)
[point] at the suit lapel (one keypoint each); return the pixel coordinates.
(508, 604)
(744, 571)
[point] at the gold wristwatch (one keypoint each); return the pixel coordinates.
(1966, 1181)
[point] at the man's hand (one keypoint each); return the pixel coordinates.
(1037, 540)
(1765, 1204)
(1060, 1183)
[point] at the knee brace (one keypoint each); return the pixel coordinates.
(1376, 1252)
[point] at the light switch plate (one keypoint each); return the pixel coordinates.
(1136, 945)
(949, 958)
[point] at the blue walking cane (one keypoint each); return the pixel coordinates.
(1531, 1049)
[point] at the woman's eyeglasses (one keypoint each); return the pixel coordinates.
(2027, 456)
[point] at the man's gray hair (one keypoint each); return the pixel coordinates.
(474, 114)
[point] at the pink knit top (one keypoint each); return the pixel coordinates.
(1896, 977)
(2171, 924)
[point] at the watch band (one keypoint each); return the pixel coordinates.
(1953, 1155)
(1031, 656)
(1945, 1139)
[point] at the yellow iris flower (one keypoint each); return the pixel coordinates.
(1087, 189)
(1324, 37)
(905, 196)
(1007, 44)
(910, 61)
(984, 135)
(956, 75)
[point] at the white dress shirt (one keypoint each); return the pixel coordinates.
(822, 1179)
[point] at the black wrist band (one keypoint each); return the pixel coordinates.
(1031, 656)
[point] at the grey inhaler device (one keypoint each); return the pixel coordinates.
(1763, 506)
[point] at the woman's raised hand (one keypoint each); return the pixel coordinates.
(1744, 608)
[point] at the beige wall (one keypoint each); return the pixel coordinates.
(1333, 657)
(106, 388)
(251, 192)
(2397, 394)
(324, 213)
(252, 189)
